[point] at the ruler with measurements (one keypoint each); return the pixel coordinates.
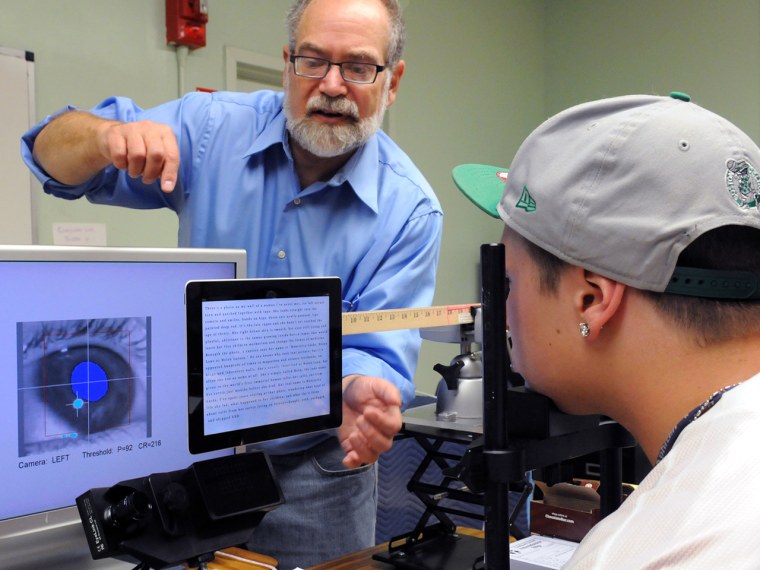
(396, 319)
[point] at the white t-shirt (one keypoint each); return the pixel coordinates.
(699, 507)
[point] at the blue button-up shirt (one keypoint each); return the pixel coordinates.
(376, 223)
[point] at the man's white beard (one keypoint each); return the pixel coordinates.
(332, 140)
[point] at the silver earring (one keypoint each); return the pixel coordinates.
(585, 329)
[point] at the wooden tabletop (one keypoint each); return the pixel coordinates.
(237, 559)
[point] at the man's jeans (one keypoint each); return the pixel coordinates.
(329, 510)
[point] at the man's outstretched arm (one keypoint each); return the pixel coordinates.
(77, 145)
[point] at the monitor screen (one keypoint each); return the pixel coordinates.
(264, 359)
(93, 357)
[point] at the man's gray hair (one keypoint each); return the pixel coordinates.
(396, 40)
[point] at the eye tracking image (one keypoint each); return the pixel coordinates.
(82, 382)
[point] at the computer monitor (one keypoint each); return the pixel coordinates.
(93, 357)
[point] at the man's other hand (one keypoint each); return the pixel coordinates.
(371, 418)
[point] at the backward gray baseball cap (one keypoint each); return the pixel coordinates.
(621, 186)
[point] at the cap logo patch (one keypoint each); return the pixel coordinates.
(743, 183)
(526, 201)
(503, 175)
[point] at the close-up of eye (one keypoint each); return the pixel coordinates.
(82, 382)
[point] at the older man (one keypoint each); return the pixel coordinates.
(307, 183)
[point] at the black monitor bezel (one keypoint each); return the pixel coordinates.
(197, 292)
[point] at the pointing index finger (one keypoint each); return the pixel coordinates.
(171, 164)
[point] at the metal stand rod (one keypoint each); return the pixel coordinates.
(495, 429)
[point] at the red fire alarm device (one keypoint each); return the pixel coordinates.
(186, 23)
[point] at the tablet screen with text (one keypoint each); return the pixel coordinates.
(264, 359)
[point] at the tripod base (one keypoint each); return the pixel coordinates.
(437, 549)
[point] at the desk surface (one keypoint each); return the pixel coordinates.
(363, 560)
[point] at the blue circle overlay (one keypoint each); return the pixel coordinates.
(89, 381)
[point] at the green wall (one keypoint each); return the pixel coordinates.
(707, 48)
(481, 74)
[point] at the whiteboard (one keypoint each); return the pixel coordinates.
(16, 116)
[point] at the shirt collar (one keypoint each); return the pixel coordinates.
(360, 172)
(273, 133)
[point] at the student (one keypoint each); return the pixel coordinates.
(633, 257)
(307, 183)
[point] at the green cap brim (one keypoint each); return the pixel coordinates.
(482, 184)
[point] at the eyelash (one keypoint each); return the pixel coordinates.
(59, 328)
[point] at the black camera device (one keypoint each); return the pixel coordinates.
(169, 518)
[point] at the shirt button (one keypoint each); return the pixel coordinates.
(281, 254)
(297, 201)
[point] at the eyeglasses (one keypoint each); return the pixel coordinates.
(351, 71)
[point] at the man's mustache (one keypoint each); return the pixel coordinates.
(333, 105)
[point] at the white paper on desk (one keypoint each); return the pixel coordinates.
(540, 552)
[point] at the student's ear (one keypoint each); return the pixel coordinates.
(599, 301)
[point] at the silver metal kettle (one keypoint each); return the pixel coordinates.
(460, 392)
